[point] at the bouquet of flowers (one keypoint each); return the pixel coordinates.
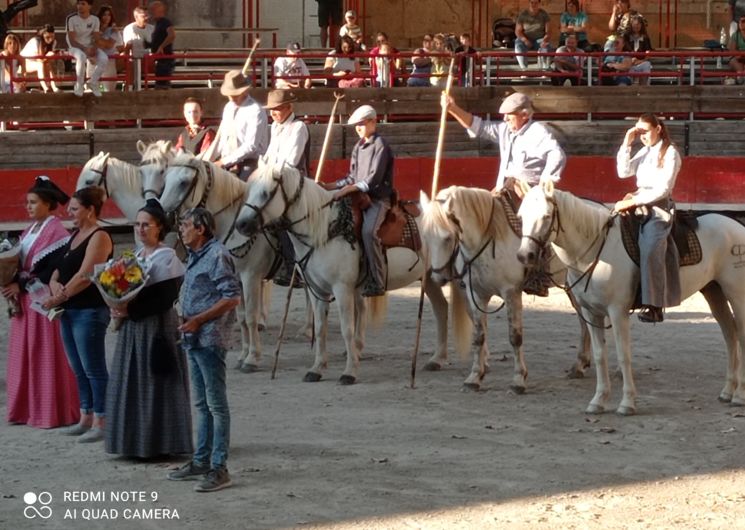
(10, 262)
(120, 280)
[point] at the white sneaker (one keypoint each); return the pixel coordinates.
(94, 88)
(567, 82)
(729, 81)
(78, 90)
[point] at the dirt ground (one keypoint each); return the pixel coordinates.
(381, 455)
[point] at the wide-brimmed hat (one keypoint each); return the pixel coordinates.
(277, 98)
(234, 84)
(514, 103)
(48, 190)
(363, 113)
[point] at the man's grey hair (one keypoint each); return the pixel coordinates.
(201, 218)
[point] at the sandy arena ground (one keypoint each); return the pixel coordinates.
(381, 455)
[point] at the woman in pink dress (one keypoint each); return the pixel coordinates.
(42, 391)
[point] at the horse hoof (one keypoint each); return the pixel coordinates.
(347, 379)
(575, 373)
(238, 365)
(725, 398)
(311, 377)
(737, 402)
(625, 411)
(248, 368)
(594, 409)
(433, 366)
(517, 389)
(262, 327)
(471, 387)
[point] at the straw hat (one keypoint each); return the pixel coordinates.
(234, 84)
(277, 98)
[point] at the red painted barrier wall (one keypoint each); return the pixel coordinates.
(705, 182)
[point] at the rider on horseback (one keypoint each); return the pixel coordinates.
(656, 167)
(527, 152)
(371, 172)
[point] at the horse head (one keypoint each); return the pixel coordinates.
(441, 234)
(155, 160)
(272, 191)
(94, 173)
(538, 213)
(182, 186)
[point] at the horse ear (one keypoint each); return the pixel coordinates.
(168, 146)
(423, 200)
(548, 187)
(141, 147)
(524, 187)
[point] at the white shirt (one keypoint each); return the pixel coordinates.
(138, 37)
(531, 154)
(84, 28)
(653, 182)
(288, 143)
(289, 66)
(245, 132)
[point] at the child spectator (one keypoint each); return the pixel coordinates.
(351, 27)
(466, 54)
(291, 71)
(440, 65)
(13, 65)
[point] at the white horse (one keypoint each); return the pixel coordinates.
(155, 159)
(323, 237)
(119, 180)
(587, 238)
(191, 182)
(471, 243)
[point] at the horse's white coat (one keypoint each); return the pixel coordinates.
(122, 182)
(576, 229)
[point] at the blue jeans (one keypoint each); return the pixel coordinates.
(83, 334)
(208, 389)
(521, 47)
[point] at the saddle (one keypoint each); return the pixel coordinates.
(399, 228)
(683, 232)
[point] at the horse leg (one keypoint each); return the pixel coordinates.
(720, 311)
(320, 322)
(738, 308)
(266, 301)
(600, 356)
(478, 342)
(346, 300)
(440, 310)
(514, 303)
(360, 320)
(307, 329)
(240, 313)
(620, 322)
(252, 289)
(577, 370)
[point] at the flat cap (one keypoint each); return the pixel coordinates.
(515, 102)
(365, 112)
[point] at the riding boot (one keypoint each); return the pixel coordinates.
(650, 313)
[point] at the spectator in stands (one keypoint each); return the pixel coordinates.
(568, 64)
(137, 37)
(620, 21)
(466, 54)
(329, 20)
(111, 42)
(421, 64)
(737, 43)
(13, 65)
(533, 30)
(194, 137)
(381, 38)
(291, 71)
(624, 63)
(637, 38)
(343, 66)
(385, 66)
(83, 32)
(574, 20)
(244, 127)
(350, 26)
(162, 43)
(10, 13)
(736, 11)
(42, 45)
(440, 64)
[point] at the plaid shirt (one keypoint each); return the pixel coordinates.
(210, 276)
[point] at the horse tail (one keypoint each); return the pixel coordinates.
(377, 309)
(462, 324)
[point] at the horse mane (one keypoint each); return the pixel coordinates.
(128, 174)
(312, 202)
(158, 153)
(480, 215)
(435, 216)
(587, 216)
(226, 186)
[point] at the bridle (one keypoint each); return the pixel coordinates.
(161, 172)
(192, 190)
(103, 174)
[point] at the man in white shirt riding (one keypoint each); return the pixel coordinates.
(82, 34)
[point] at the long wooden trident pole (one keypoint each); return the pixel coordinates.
(209, 153)
(435, 178)
(327, 137)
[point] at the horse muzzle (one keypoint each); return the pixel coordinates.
(248, 224)
(528, 252)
